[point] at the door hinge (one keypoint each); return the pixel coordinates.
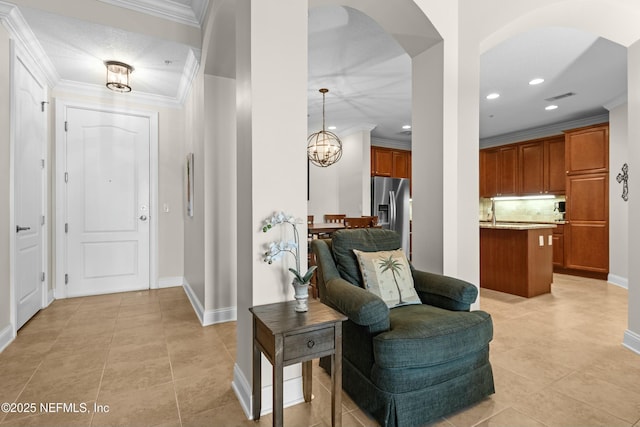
(42, 163)
(66, 227)
(42, 105)
(66, 279)
(66, 177)
(66, 128)
(42, 220)
(42, 277)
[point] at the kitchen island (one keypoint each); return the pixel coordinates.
(516, 258)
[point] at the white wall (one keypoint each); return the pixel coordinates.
(220, 198)
(618, 208)
(6, 330)
(344, 187)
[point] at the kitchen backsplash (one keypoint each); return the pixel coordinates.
(522, 210)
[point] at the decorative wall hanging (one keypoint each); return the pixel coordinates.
(623, 177)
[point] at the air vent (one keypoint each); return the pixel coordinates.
(564, 95)
(405, 132)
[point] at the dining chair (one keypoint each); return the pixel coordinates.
(334, 218)
(372, 218)
(357, 222)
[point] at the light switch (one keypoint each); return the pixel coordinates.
(165, 207)
(541, 240)
(550, 240)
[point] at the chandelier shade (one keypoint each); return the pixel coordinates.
(323, 147)
(118, 76)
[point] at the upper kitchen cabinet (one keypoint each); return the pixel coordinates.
(498, 171)
(541, 166)
(587, 149)
(390, 162)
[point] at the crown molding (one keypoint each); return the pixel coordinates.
(188, 74)
(391, 143)
(616, 102)
(20, 31)
(167, 9)
(541, 132)
(104, 94)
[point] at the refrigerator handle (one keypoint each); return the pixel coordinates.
(392, 209)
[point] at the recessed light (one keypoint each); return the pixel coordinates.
(493, 95)
(332, 128)
(550, 107)
(536, 81)
(406, 127)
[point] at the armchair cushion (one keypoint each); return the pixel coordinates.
(387, 274)
(423, 336)
(362, 239)
(443, 291)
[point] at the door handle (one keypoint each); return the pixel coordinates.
(143, 217)
(19, 229)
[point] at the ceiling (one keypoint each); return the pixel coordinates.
(365, 67)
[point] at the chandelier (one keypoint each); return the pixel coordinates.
(118, 74)
(323, 147)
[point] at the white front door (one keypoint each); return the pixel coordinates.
(107, 202)
(29, 143)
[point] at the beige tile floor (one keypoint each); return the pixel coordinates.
(557, 361)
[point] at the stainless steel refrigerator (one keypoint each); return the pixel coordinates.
(390, 202)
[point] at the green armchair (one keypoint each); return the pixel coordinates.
(412, 364)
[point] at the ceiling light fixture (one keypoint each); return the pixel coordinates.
(323, 147)
(536, 81)
(493, 96)
(406, 127)
(118, 75)
(331, 128)
(550, 107)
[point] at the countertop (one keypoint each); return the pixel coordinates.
(517, 225)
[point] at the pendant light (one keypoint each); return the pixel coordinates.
(118, 74)
(323, 147)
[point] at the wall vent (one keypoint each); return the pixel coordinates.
(564, 95)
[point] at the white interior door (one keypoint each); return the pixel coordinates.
(29, 143)
(107, 202)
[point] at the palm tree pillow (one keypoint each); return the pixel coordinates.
(387, 274)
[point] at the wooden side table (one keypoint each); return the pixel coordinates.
(287, 337)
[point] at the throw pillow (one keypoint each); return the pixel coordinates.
(388, 275)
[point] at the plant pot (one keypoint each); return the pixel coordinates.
(301, 295)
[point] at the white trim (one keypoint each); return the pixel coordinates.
(189, 15)
(219, 315)
(291, 394)
(616, 102)
(541, 132)
(243, 389)
(189, 72)
(623, 282)
(7, 335)
(631, 341)
(50, 297)
(19, 30)
(390, 143)
(193, 298)
(60, 138)
(170, 282)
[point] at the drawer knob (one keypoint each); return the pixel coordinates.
(311, 343)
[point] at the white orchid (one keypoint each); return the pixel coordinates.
(277, 250)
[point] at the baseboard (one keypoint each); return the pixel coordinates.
(6, 337)
(170, 282)
(195, 302)
(50, 296)
(623, 282)
(219, 315)
(631, 340)
(291, 395)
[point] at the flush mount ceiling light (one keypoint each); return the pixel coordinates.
(118, 75)
(536, 81)
(493, 96)
(550, 107)
(406, 127)
(323, 147)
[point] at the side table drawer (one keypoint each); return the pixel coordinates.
(308, 343)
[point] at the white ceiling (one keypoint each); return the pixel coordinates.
(366, 68)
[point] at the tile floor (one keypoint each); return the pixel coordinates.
(557, 361)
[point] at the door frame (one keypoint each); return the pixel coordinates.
(18, 53)
(60, 212)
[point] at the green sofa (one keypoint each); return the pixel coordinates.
(409, 365)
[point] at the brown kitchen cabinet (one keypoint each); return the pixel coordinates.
(558, 245)
(554, 165)
(587, 149)
(498, 171)
(541, 167)
(390, 162)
